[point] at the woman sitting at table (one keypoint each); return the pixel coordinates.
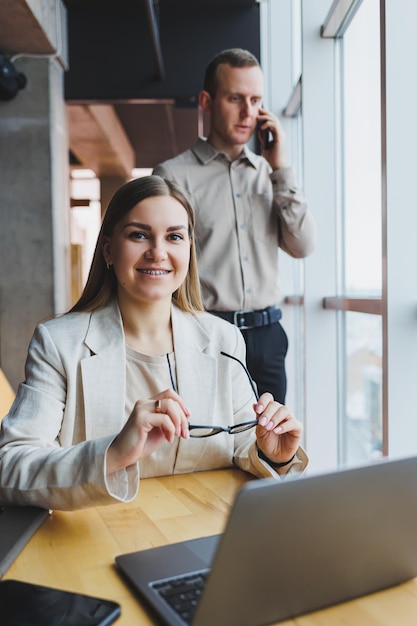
(137, 380)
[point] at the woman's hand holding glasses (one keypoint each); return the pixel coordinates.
(278, 432)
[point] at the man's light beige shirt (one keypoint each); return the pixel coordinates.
(245, 212)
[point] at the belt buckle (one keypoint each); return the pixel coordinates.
(236, 315)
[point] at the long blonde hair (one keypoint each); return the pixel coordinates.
(101, 284)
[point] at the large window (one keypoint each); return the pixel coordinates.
(356, 156)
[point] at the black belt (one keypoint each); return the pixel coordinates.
(251, 319)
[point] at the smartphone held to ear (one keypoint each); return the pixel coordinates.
(267, 137)
(35, 605)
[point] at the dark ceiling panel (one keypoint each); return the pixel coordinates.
(110, 46)
(110, 51)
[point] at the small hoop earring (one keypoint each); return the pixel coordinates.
(108, 266)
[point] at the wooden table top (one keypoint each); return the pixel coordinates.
(76, 550)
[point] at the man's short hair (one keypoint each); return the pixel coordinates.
(235, 57)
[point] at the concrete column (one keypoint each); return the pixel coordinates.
(34, 209)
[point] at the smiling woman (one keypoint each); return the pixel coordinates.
(102, 285)
(149, 251)
(111, 385)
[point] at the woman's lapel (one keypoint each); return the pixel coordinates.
(104, 373)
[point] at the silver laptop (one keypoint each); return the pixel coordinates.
(18, 524)
(289, 547)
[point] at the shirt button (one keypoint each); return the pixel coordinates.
(238, 195)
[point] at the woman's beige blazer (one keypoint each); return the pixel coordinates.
(72, 404)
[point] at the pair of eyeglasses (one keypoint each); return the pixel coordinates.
(198, 431)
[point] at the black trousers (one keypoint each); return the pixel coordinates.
(266, 348)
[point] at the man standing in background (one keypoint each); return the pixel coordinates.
(247, 206)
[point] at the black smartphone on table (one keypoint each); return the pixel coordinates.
(27, 604)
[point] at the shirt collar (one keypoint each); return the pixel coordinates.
(205, 153)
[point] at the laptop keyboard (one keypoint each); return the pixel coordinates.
(183, 593)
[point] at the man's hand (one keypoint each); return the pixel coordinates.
(275, 154)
